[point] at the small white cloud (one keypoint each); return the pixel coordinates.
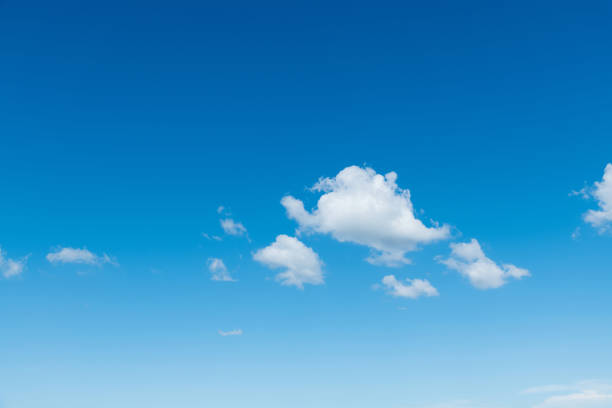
(468, 259)
(220, 209)
(10, 268)
(79, 256)
(360, 206)
(602, 192)
(582, 399)
(232, 227)
(414, 288)
(219, 271)
(237, 332)
(302, 265)
(587, 394)
(212, 237)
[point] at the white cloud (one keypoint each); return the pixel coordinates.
(360, 206)
(582, 399)
(414, 289)
(302, 265)
(220, 209)
(232, 227)
(10, 268)
(213, 237)
(78, 256)
(237, 332)
(219, 271)
(583, 394)
(602, 192)
(548, 389)
(468, 259)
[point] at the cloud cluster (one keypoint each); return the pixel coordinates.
(414, 288)
(360, 206)
(219, 271)
(301, 264)
(468, 259)
(78, 256)
(363, 207)
(602, 192)
(10, 268)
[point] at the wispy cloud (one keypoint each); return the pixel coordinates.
(10, 268)
(212, 237)
(232, 227)
(219, 271)
(79, 256)
(237, 332)
(583, 394)
(413, 288)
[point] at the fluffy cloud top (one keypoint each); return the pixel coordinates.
(78, 256)
(468, 259)
(602, 192)
(414, 289)
(363, 207)
(232, 227)
(237, 332)
(300, 263)
(10, 267)
(219, 271)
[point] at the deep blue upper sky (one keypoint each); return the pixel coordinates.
(124, 125)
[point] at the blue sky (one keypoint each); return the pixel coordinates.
(446, 156)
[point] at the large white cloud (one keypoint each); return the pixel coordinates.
(78, 256)
(602, 192)
(301, 264)
(10, 268)
(414, 288)
(360, 206)
(468, 259)
(219, 271)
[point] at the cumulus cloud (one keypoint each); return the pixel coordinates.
(219, 271)
(301, 264)
(414, 288)
(237, 332)
(468, 259)
(232, 227)
(78, 256)
(360, 206)
(10, 268)
(602, 192)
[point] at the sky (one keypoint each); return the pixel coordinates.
(305, 204)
